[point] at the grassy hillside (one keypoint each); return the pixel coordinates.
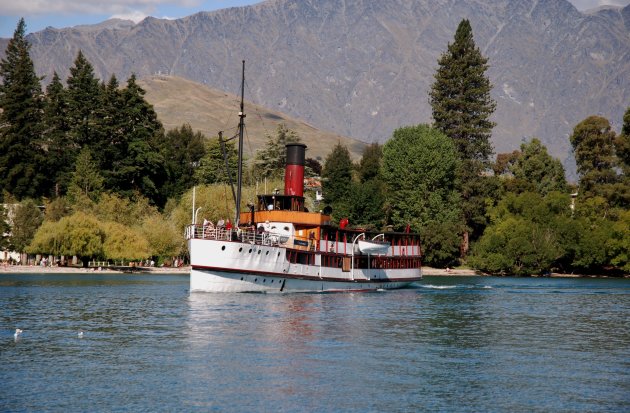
(178, 101)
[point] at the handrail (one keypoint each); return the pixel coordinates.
(362, 236)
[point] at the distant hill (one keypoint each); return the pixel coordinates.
(363, 68)
(178, 101)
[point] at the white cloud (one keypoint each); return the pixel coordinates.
(113, 7)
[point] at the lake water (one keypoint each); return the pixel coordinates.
(468, 344)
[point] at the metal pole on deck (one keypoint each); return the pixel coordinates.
(240, 150)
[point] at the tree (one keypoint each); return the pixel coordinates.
(79, 234)
(124, 243)
(211, 167)
(537, 171)
(337, 180)
(5, 229)
(22, 162)
(83, 102)
(370, 164)
(270, 161)
(525, 236)
(27, 218)
(164, 240)
(593, 145)
(418, 168)
(461, 107)
(182, 150)
(135, 166)
(86, 180)
(61, 153)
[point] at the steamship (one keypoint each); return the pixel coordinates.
(280, 246)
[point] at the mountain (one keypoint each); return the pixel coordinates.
(362, 68)
(177, 101)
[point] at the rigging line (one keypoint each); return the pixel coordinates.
(257, 111)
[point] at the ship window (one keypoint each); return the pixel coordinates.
(264, 280)
(240, 249)
(241, 278)
(250, 250)
(267, 253)
(286, 229)
(255, 280)
(223, 248)
(259, 251)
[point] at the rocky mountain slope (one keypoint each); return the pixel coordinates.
(362, 68)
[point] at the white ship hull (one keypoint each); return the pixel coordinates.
(228, 266)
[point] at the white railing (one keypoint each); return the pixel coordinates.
(240, 235)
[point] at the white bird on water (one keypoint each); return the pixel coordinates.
(80, 335)
(17, 333)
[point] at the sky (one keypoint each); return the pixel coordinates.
(40, 14)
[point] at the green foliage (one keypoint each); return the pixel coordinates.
(5, 228)
(164, 240)
(183, 151)
(365, 205)
(86, 180)
(122, 210)
(524, 237)
(79, 234)
(123, 243)
(270, 161)
(370, 164)
(618, 242)
(84, 96)
(460, 97)
(593, 144)
(461, 107)
(419, 166)
(27, 218)
(211, 168)
(57, 209)
(22, 161)
(134, 166)
(337, 180)
(538, 171)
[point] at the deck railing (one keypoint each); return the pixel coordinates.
(241, 235)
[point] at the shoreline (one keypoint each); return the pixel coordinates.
(185, 270)
(35, 269)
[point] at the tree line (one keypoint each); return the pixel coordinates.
(115, 185)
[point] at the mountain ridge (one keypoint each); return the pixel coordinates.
(362, 68)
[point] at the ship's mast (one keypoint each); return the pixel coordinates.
(241, 127)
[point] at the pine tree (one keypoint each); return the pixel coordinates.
(60, 150)
(270, 160)
(87, 181)
(461, 106)
(183, 151)
(22, 169)
(593, 142)
(83, 101)
(136, 164)
(337, 180)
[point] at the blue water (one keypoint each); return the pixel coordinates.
(465, 344)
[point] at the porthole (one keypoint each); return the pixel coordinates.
(250, 250)
(278, 254)
(264, 280)
(259, 252)
(267, 253)
(241, 278)
(255, 280)
(240, 249)
(223, 248)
